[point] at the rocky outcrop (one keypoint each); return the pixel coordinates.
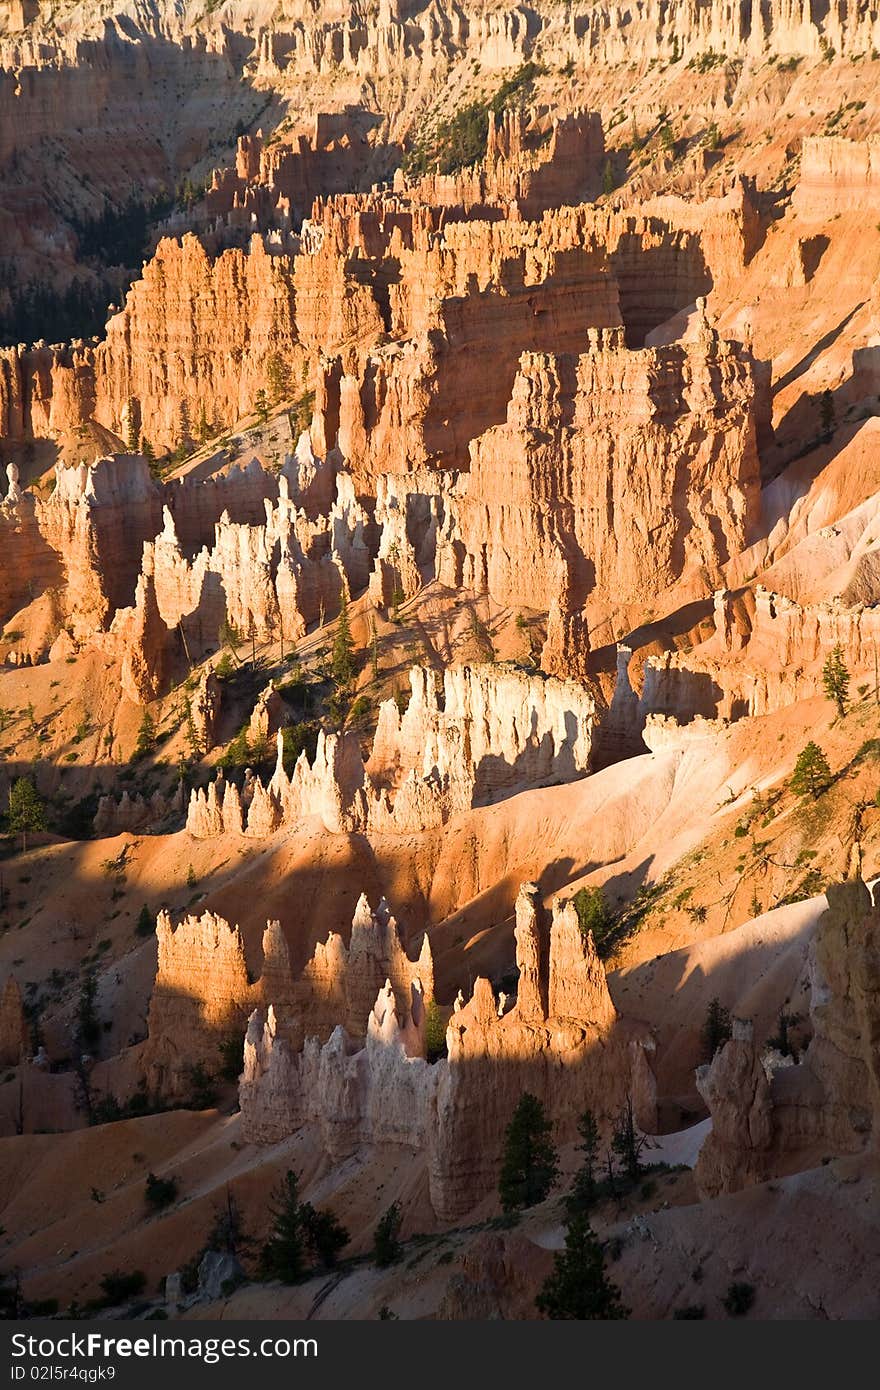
(203, 990)
(491, 731)
(201, 997)
(661, 440)
(456, 1110)
(136, 813)
(838, 175)
(763, 1107)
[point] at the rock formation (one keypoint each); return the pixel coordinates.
(763, 1107)
(572, 1052)
(492, 731)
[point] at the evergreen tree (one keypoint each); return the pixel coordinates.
(827, 415)
(88, 1029)
(627, 1142)
(386, 1240)
(146, 924)
(323, 1233)
(342, 660)
(261, 406)
(149, 454)
(277, 377)
(374, 649)
(716, 1028)
(146, 739)
(131, 433)
(529, 1165)
(282, 1255)
(27, 813)
(583, 1192)
(835, 679)
(608, 177)
(812, 774)
(578, 1288)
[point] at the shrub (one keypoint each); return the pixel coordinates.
(160, 1192)
(595, 916)
(435, 1032)
(231, 1051)
(118, 1286)
(739, 1299)
(203, 1092)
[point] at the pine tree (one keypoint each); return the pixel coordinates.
(342, 660)
(374, 649)
(583, 1191)
(27, 813)
(608, 177)
(530, 1165)
(282, 1255)
(277, 377)
(131, 433)
(578, 1288)
(835, 679)
(261, 406)
(146, 739)
(323, 1233)
(386, 1240)
(827, 415)
(146, 924)
(149, 454)
(88, 1025)
(812, 774)
(627, 1142)
(716, 1028)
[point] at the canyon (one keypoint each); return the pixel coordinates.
(439, 597)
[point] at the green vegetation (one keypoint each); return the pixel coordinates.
(627, 1142)
(146, 739)
(146, 922)
(231, 1053)
(716, 1030)
(739, 1299)
(460, 140)
(578, 1287)
(342, 662)
(160, 1192)
(27, 811)
(386, 1239)
(595, 916)
(835, 679)
(583, 1191)
(282, 1256)
(530, 1164)
(812, 774)
(435, 1032)
(88, 1024)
